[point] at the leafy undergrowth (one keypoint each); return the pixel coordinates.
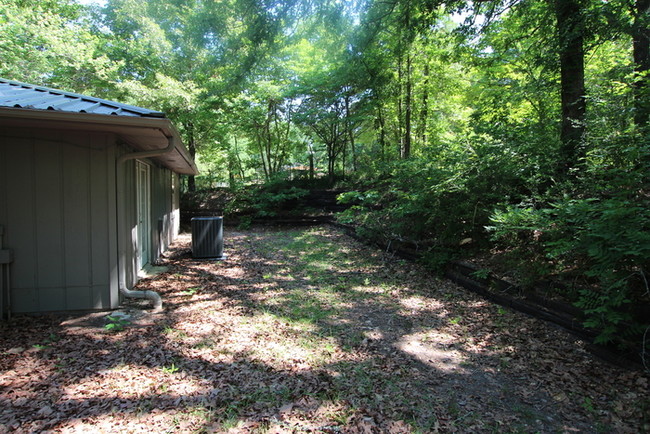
(308, 331)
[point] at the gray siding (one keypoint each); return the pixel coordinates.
(56, 204)
(70, 216)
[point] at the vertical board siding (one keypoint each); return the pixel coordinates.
(160, 216)
(113, 296)
(100, 216)
(78, 237)
(169, 210)
(20, 230)
(157, 215)
(57, 214)
(164, 205)
(131, 235)
(76, 208)
(50, 261)
(161, 208)
(49, 214)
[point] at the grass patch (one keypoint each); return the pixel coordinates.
(324, 282)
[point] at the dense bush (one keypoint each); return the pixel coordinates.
(265, 200)
(606, 241)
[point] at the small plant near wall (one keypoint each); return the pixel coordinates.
(116, 324)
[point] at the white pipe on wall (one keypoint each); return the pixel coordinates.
(154, 297)
(150, 295)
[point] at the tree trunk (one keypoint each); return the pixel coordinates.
(406, 149)
(239, 162)
(191, 182)
(570, 27)
(400, 106)
(259, 139)
(405, 77)
(331, 162)
(382, 133)
(348, 127)
(311, 167)
(641, 48)
(424, 112)
(231, 177)
(268, 140)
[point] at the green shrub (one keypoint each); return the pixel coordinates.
(605, 239)
(265, 200)
(443, 199)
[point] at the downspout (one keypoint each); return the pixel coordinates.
(129, 293)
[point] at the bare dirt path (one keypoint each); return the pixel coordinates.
(307, 330)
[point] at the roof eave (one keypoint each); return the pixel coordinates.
(97, 122)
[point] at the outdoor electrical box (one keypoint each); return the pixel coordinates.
(207, 237)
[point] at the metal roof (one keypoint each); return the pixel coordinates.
(24, 105)
(22, 95)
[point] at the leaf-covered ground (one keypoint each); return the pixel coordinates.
(308, 331)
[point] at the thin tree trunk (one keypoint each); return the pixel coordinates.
(382, 133)
(268, 141)
(405, 80)
(239, 163)
(424, 112)
(260, 146)
(406, 149)
(641, 48)
(191, 181)
(400, 107)
(311, 167)
(348, 126)
(570, 26)
(344, 157)
(331, 162)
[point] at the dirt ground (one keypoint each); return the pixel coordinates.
(307, 330)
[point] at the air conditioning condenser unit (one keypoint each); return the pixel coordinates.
(207, 237)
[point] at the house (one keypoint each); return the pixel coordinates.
(89, 196)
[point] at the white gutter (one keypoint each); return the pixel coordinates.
(147, 154)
